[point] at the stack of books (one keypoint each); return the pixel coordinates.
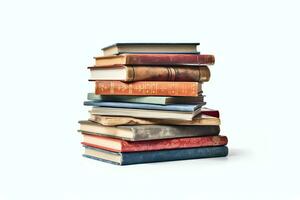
(148, 105)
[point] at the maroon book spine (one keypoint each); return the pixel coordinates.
(170, 59)
(210, 112)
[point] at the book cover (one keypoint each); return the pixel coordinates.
(147, 132)
(153, 73)
(148, 88)
(170, 107)
(145, 113)
(154, 156)
(210, 112)
(146, 99)
(178, 48)
(199, 120)
(155, 59)
(118, 145)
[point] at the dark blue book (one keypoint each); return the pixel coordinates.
(154, 156)
(170, 107)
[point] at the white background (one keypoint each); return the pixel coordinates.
(45, 47)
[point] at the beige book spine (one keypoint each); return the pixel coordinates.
(115, 121)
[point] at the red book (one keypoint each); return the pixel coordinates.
(118, 145)
(155, 59)
(148, 88)
(210, 112)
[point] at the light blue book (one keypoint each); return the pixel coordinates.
(170, 107)
(145, 99)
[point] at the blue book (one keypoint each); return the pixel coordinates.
(154, 156)
(170, 107)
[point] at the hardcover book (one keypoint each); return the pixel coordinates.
(155, 73)
(155, 60)
(118, 145)
(145, 113)
(149, 88)
(144, 106)
(146, 99)
(199, 120)
(147, 132)
(178, 48)
(128, 158)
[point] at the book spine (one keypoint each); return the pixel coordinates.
(117, 121)
(169, 59)
(150, 88)
(173, 143)
(173, 154)
(168, 73)
(210, 112)
(154, 132)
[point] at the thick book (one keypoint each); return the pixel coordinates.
(199, 120)
(128, 158)
(155, 60)
(136, 48)
(146, 99)
(146, 73)
(149, 88)
(144, 106)
(118, 145)
(147, 132)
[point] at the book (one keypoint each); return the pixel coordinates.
(128, 158)
(148, 88)
(178, 48)
(146, 73)
(118, 145)
(210, 112)
(155, 60)
(146, 99)
(144, 106)
(199, 120)
(147, 132)
(145, 113)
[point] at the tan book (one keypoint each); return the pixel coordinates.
(116, 120)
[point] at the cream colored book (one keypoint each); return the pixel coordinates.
(116, 120)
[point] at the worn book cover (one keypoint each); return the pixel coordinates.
(147, 132)
(149, 88)
(128, 158)
(118, 145)
(155, 59)
(151, 73)
(199, 120)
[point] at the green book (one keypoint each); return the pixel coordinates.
(146, 99)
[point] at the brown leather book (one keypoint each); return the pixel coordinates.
(117, 121)
(146, 73)
(155, 59)
(148, 88)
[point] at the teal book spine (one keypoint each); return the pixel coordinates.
(164, 155)
(145, 99)
(129, 99)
